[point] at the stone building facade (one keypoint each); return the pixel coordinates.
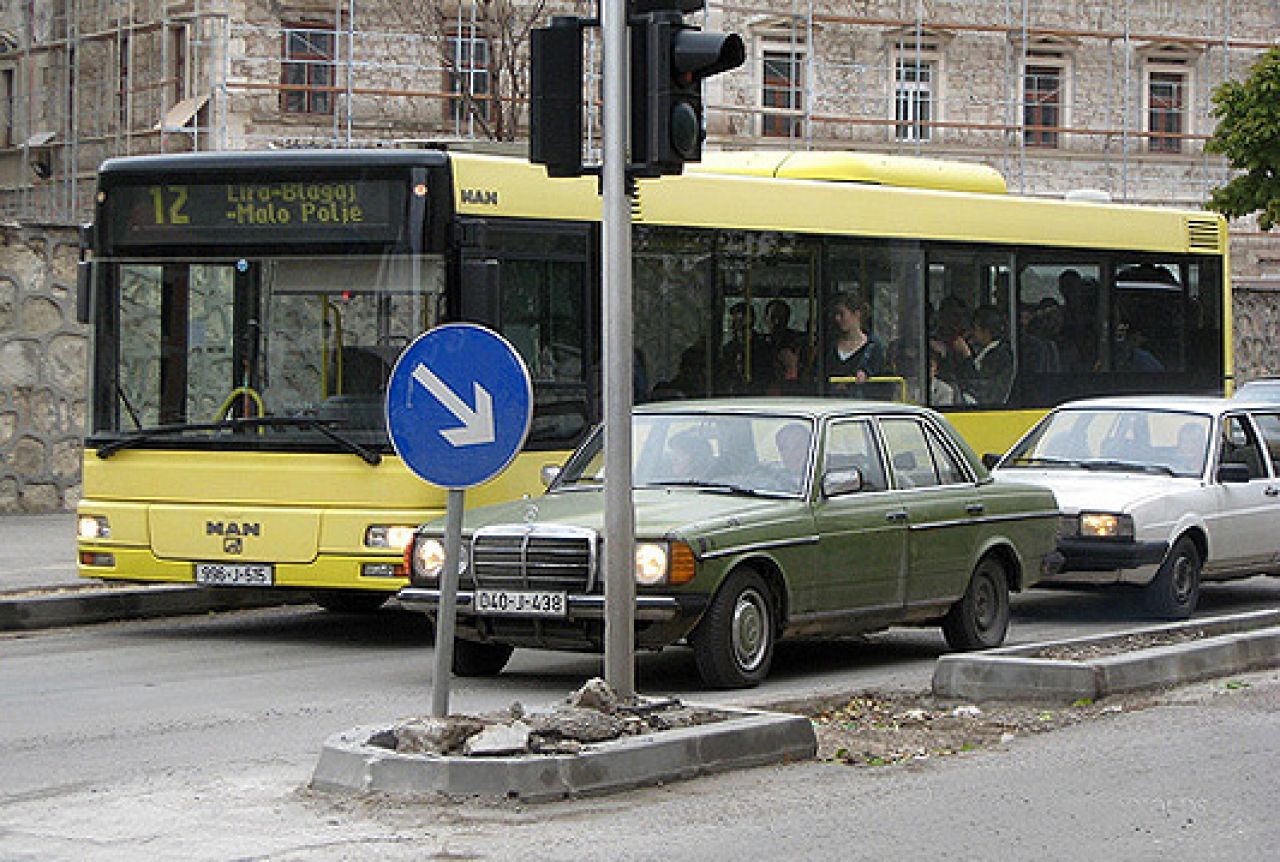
(1112, 95)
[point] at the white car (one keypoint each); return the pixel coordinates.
(1159, 492)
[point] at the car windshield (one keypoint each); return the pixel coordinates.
(719, 453)
(1165, 442)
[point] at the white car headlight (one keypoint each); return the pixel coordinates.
(1106, 525)
(651, 563)
(92, 527)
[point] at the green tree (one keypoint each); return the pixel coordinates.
(1248, 135)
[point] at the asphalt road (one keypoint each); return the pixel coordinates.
(194, 738)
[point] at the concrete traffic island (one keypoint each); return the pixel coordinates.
(1097, 666)
(591, 744)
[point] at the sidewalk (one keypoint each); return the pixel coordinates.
(39, 587)
(38, 552)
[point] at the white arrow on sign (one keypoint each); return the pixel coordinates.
(477, 425)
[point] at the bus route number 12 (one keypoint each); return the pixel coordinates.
(168, 202)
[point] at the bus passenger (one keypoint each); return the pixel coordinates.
(990, 371)
(746, 361)
(854, 352)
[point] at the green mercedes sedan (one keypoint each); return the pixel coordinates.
(756, 519)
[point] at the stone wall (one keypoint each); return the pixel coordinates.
(43, 371)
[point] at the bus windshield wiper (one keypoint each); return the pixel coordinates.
(142, 435)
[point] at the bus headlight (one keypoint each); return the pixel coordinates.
(1106, 525)
(663, 563)
(91, 527)
(392, 537)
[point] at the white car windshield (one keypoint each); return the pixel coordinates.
(1150, 441)
(731, 453)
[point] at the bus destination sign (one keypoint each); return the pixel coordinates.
(255, 212)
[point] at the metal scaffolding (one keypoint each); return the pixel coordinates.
(85, 80)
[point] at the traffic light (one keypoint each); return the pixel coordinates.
(669, 61)
(555, 97)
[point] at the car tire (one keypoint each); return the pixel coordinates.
(349, 601)
(980, 619)
(1175, 590)
(473, 658)
(733, 644)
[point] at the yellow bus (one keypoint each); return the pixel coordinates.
(246, 309)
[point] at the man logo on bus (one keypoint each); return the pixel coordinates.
(482, 197)
(232, 528)
(233, 545)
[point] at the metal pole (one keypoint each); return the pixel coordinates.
(619, 520)
(446, 616)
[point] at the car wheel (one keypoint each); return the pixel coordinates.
(349, 601)
(733, 644)
(473, 658)
(1174, 591)
(980, 618)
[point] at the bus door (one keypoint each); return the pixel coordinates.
(533, 283)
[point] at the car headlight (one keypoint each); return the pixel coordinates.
(663, 563)
(427, 558)
(1106, 525)
(390, 536)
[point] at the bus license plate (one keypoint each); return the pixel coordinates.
(235, 574)
(521, 603)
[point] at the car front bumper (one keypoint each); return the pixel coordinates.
(1106, 561)
(660, 620)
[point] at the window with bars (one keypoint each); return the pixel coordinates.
(1166, 111)
(307, 71)
(1042, 105)
(467, 75)
(914, 99)
(781, 89)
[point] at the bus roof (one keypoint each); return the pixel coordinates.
(853, 167)
(287, 160)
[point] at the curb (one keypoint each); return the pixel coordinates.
(79, 607)
(1230, 644)
(349, 764)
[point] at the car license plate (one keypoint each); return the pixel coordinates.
(521, 603)
(235, 574)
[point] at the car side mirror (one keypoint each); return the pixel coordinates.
(990, 460)
(550, 472)
(1233, 473)
(838, 482)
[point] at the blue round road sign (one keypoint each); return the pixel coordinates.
(459, 405)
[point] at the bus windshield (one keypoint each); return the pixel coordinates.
(200, 346)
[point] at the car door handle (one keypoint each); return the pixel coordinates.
(1272, 492)
(975, 508)
(895, 516)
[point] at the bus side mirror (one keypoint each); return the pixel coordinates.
(84, 291)
(481, 299)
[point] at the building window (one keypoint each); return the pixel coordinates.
(781, 90)
(7, 103)
(467, 75)
(914, 100)
(1166, 110)
(1042, 105)
(307, 71)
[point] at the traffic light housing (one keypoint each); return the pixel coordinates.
(555, 96)
(669, 61)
